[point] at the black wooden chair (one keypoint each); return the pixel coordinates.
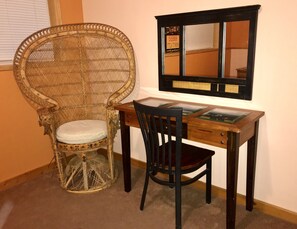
(167, 156)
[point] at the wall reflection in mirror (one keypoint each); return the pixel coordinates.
(202, 50)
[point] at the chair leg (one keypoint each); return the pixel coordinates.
(144, 190)
(110, 159)
(178, 223)
(171, 181)
(85, 174)
(59, 164)
(208, 181)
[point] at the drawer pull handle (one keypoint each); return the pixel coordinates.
(222, 142)
(205, 131)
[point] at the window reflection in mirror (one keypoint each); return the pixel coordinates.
(236, 49)
(201, 44)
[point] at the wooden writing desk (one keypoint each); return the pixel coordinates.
(228, 132)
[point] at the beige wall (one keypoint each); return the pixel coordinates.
(23, 145)
(274, 85)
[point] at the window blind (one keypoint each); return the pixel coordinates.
(18, 20)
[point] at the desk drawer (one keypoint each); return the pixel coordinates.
(131, 120)
(208, 136)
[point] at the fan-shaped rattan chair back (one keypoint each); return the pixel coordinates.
(79, 69)
(75, 72)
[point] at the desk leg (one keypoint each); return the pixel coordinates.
(232, 174)
(126, 152)
(251, 168)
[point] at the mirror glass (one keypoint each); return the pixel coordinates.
(236, 49)
(171, 55)
(201, 50)
(208, 52)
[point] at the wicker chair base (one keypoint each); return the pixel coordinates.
(96, 188)
(88, 173)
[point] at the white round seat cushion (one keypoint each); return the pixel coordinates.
(81, 131)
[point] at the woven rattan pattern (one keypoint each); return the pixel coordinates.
(76, 72)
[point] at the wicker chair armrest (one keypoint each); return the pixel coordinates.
(123, 92)
(46, 119)
(113, 121)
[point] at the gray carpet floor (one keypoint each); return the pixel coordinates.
(41, 203)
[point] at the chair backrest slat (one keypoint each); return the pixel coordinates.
(162, 133)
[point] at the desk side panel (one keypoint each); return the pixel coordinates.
(247, 133)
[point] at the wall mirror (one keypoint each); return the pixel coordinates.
(208, 52)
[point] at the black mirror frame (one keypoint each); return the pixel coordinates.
(217, 85)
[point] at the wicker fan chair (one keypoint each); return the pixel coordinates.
(72, 73)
